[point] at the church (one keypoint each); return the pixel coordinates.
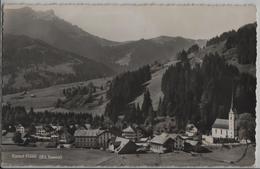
(226, 128)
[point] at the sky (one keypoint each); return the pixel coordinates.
(133, 22)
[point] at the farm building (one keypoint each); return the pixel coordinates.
(162, 143)
(122, 146)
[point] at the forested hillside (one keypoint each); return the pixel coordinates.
(124, 89)
(244, 40)
(203, 93)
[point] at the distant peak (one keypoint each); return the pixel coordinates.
(23, 10)
(46, 15)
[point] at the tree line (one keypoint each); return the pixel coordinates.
(18, 115)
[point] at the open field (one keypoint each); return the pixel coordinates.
(87, 157)
(46, 98)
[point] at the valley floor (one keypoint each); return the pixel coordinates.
(87, 157)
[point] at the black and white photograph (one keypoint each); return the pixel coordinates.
(128, 85)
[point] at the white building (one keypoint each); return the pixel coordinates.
(226, 128)
(220, 128)
(19, 128)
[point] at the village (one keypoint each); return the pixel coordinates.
(131, 140)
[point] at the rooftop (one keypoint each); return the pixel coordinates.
(89, 133)
(161, 139)
(129, 129)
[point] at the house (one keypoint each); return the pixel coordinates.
(93, 138)
(65, 137)
(129, 133)
(122, 145)
(54, 138)
(103, 138)
(143, 144)
(40, 130)
(179, 142)
(226, 128)
(192, 145)
(162, 143)
(191, 130)
(19, 128)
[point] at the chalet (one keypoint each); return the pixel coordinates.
(19, 128)
(65, 137)
(179, 142)
(162, 143)
(129, 133)
(94, 138)
(122, 145)
(40, 130)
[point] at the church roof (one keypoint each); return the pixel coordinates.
(221, 123)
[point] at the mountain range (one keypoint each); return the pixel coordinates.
(41, 49)
(46, 26)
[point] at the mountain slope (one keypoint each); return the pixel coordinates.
(30, 63)
(48, 27)
(61, 34)
(138, 53)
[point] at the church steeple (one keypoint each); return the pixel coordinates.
(232, 119)
(232, 103)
